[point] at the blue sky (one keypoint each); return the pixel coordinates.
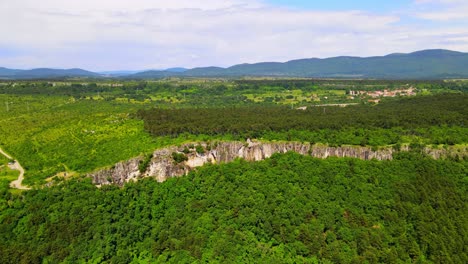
(154, 34)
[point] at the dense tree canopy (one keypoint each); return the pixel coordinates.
(354, 122)
(287, 209)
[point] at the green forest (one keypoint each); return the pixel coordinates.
(286, 209)
(438, 119)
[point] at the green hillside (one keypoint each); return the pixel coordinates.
(288, 209)
(427, 64)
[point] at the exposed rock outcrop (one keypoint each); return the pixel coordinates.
(163, 166)
(119, 174)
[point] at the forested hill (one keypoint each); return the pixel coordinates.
(287, 209)
(426, 64)
(44, 73)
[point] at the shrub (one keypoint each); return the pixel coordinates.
(179, 157)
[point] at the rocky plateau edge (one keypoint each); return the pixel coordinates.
(161, 165)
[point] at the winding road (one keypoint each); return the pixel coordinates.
(18, 183)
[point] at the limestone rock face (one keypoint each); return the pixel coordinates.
(120, 174)
(452, 152)
(363, 153)
(162, 165)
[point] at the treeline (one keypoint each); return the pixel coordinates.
(312, 84)
(407, 114)
(287, 209)
(72, 89)
(216, 87)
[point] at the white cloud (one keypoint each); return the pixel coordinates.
(118, 34)
(442, 10)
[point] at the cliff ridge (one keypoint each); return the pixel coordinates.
(163, 164)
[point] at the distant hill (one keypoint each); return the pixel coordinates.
(152, 74)
(45, 73)
(117, 73)
(425, 64)
(4, 72)
(161, 73)
(177, 69)
(147, 74)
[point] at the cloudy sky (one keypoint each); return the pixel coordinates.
(154, 34)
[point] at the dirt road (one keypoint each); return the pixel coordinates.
(18, 183)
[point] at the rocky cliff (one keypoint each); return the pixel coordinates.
(163, 163)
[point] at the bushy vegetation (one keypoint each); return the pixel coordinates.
(437, 119)
(6, 176)
(3, 160)
(179, 157)
(63, 135)
(59, 134)
(287, 209)
(209, 93)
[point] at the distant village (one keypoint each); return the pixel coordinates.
(376, 95)
(84, 84)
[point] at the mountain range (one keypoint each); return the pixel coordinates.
(425, 64)
(45, 73)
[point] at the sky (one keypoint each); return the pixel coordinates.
(102, 35)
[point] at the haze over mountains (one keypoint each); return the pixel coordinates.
(425, 64)
(41, 73)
